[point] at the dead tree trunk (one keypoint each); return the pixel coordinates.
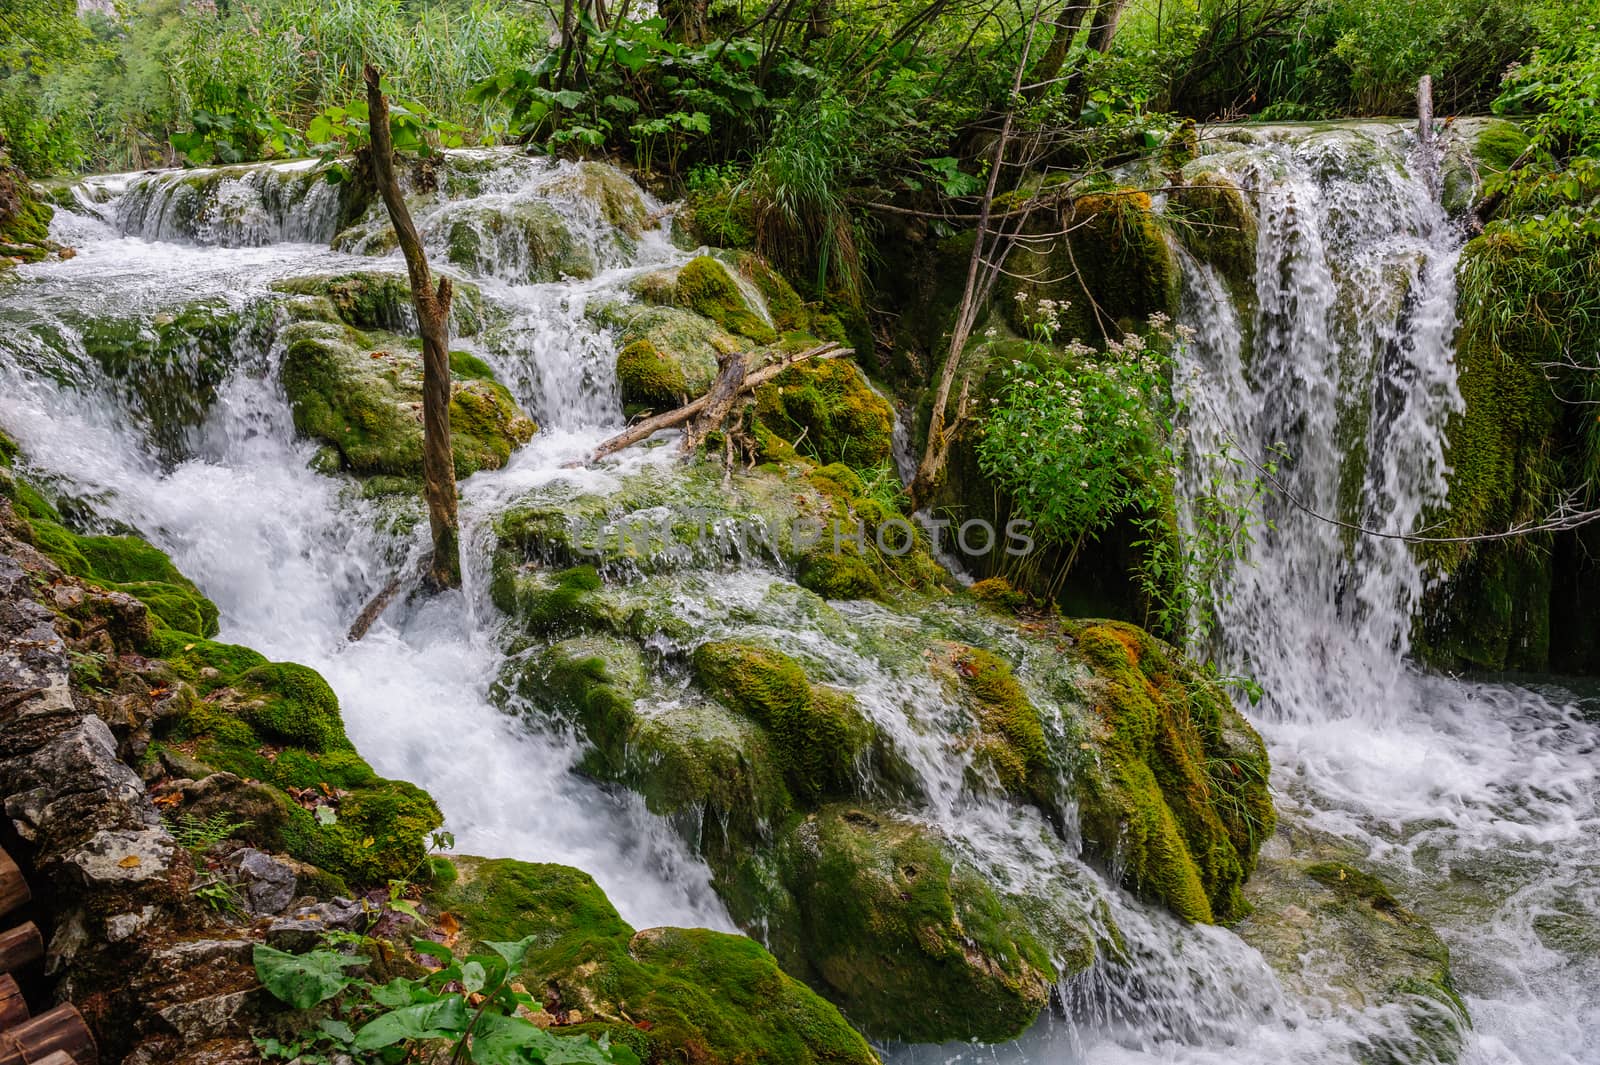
(1427, 154)
(719, 401)
(988, 257)
(749, 382)
(433, 316)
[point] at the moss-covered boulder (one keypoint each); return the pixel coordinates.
(1340, 941)
(827, 409)
(650, 380)
(612, 194)
(361, 394)
(1109, 274)
(705, 286)
(125, 563)
(24, 218)
(670, 994)
(1523, 603)
(1009, 738)
(1217, 225)
(912, 941)
(382, 301)
(817, 731)
(1175, 794)
(279, 724)
(686, 344)
(526, 242)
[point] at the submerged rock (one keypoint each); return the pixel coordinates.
(666, 993)
(1340, 941)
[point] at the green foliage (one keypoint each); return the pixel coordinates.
(467, 1008)
(1080, 437)
(201, 834)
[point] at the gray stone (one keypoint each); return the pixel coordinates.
(124, 857)
(268, 884)
(303, 927)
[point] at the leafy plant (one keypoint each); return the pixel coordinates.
(197, 836)
(469, 1007)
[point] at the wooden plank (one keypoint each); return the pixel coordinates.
(13, 1009)
(61, 1029)
(20, 947)
(13, 888)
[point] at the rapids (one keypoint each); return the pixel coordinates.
(1476, 799)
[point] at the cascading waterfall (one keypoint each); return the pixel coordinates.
(1349, 369)
(1479, 799)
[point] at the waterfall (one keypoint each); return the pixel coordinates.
(1479, 800)
(1344, 359)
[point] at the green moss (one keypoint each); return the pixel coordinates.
(830, 413)
(789, 312)
(912, 943)
(363, 395)
(122, 563)
(1115, 269)
(705, 287)
(1010, 735)
(1499, 145)
(718, 217)
(528, 241)
(840, 574)
(279, 723)
(818, 732)
(374, 300)
(1178, 796)
(1218, 227)
(648, 379)
(25, 223)
(672, 994)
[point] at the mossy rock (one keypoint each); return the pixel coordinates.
(168, 367)
(687, 344)
(705, 286)
(24, 216)
(912, 942)
(670, 994)
(1390, 963)
(610, 192)
(122, 563)
(279, 723)
(1176, 796)
(374, 300)
(819, 734)
(827, 409)
(1493, 609)
(362, 394)
(1216, 223)
(525, 242)
(649, 379)
(1110, 274)
(1010, 740)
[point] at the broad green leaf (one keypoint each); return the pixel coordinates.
(303, 980)
(442, 1019)
(513, 953)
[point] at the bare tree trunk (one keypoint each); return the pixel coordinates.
(647, 428)
(1427, 156)
(1068, 23)
(988, 256)
(433, 316)
(719, 401)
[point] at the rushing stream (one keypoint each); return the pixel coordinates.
(1477, 801)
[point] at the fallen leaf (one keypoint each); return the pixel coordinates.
(131, 861)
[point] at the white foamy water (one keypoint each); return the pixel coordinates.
(1477, 801)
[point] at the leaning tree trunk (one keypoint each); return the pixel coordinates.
(433, 316)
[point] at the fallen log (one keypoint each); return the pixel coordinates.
(13, 1009)
(60, 1030)
(719, 401)
(380, 602)
(749, 382)
(13, 888)
(20, 947)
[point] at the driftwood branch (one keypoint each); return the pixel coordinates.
(749, 382)
(433, 319)
(719, 401)
(386, 595)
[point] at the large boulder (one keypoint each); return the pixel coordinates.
(670, 994)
